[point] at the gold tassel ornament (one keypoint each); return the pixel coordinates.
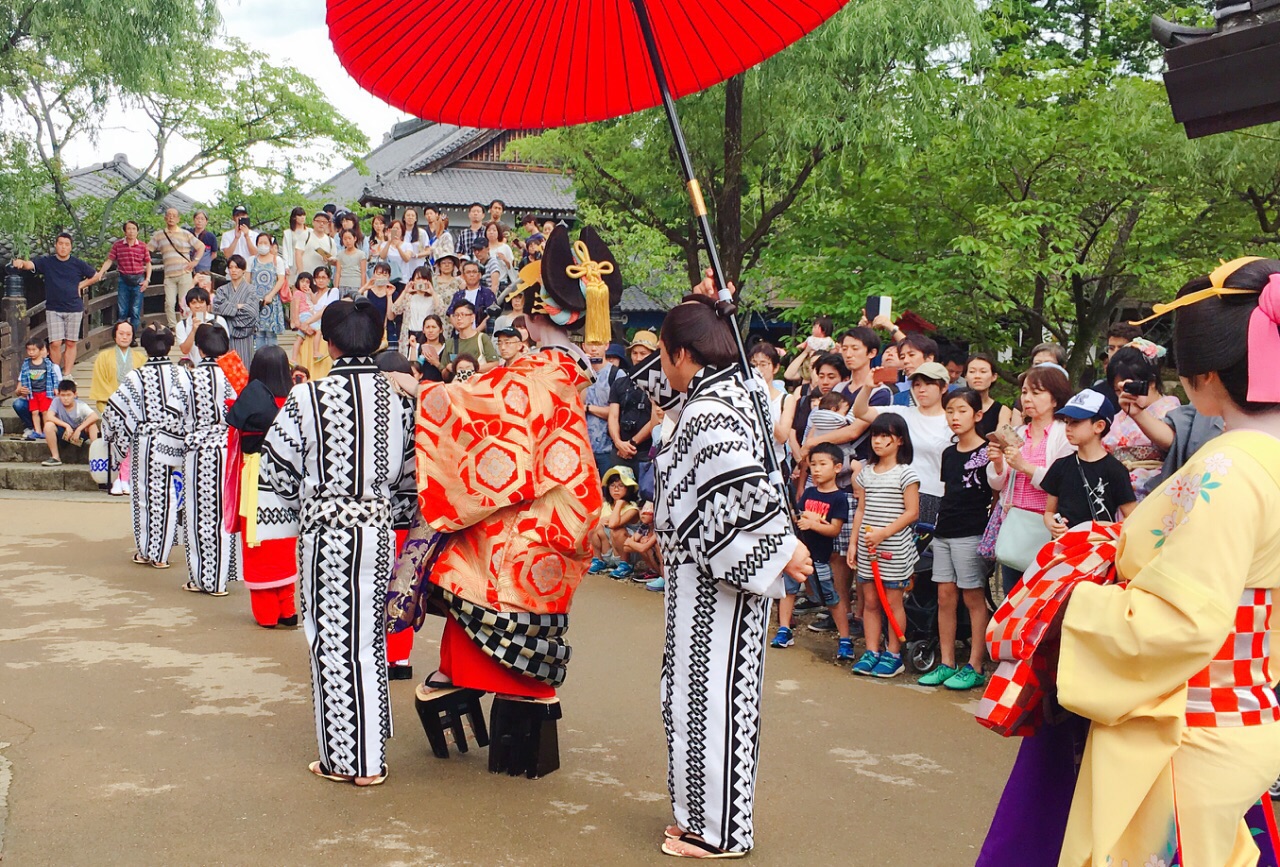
(595, 291)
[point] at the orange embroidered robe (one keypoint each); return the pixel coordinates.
(504, 464)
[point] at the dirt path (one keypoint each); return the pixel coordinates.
(142, 725)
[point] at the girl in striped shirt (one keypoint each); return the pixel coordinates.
(888, 495)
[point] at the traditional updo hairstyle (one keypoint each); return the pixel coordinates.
(353, 326)
(696, 327)
(1212, 336)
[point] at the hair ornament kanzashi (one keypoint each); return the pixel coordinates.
(1153, 351)
(1217, 288)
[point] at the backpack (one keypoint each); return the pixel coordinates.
(634, 409)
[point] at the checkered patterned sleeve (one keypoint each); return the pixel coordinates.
(1188, 551)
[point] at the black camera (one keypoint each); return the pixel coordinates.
(1137, 387)
(244, 221)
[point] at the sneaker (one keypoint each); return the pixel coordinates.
(657, 585)
(643, 576)
(937, 676)
(51, 462)
(804, 603)
(844, 650)
(889, 665)
(783, 637)
(866, 663)
(823, 624)
(622, 572)
(965, 678)
(598, 565)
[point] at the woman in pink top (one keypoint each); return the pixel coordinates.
(1045, 389)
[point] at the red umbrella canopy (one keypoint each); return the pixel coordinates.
(531, 64)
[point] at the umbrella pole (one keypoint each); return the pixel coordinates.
(708, 237)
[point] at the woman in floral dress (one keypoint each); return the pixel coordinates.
(267, 273)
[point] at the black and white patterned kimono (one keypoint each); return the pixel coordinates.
(337, 468)
(145, 414)
(725, 537)
(212, 555)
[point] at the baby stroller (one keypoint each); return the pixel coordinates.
(922, 650)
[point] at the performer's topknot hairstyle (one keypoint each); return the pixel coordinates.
(354, 326)
(212, 341)
(695, 326)
(156, 341)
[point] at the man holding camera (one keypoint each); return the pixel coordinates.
(236, 240)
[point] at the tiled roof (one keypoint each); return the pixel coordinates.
(462, 139)
(458, 187)
(104, 180)
(634, 300)
(390, 158)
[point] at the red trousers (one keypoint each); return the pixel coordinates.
(465, 664)
(271, 605)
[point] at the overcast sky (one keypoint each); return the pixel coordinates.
(291, 32)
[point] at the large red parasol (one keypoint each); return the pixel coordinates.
(532, 64)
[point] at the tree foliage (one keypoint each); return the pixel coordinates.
(62, 62)
(759, 140)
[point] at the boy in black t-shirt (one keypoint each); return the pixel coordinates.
(824, 509)
(1091, 485)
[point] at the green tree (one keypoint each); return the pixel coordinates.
(62, 60)
(759, 139)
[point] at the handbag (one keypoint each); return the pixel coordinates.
(987, 544)
(1022, 535)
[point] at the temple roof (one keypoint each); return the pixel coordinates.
(420, 162)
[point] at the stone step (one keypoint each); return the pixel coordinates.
(33, 477)
(9, 420)
(14, 450)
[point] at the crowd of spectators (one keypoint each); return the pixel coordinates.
(902, 462)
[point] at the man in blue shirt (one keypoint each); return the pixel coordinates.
(65, 279)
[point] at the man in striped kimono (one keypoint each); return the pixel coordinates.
(726, 541)
(145, 415)
(337, 468)
(211, 554)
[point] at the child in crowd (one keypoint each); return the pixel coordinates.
(831, 415)
(1090, 485)
(465, 366)
(38, 380)
(888, 493)
(643, 543)
(962, 519)
(300, 374)
(617, 513)
(70, 420)
(823, 508)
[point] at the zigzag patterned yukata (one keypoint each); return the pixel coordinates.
(725, 538)
(146, 414)
(337, 472)
(212, 555)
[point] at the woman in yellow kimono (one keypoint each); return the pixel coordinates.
(1174, 665)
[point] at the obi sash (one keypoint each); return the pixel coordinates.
(1235, 688)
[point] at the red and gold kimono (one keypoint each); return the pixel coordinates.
(505, 467)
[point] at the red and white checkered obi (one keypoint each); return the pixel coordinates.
(1235, 689)
(1013, 702)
